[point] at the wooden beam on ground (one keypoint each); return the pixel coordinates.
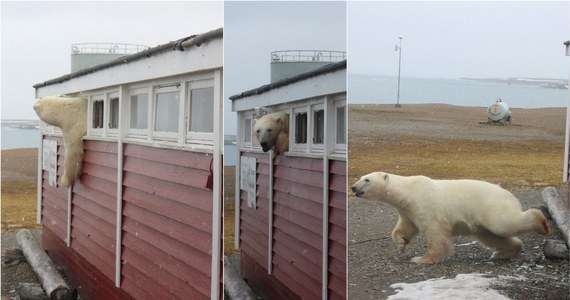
(43, 266)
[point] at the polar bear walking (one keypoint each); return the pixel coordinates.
(441, 209)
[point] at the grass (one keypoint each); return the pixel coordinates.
(515, 165)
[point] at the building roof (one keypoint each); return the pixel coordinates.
(178, 45)
(330, 68)
(567, 43)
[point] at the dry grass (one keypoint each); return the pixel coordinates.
(515, 165)
(446, 142)
(19, 186)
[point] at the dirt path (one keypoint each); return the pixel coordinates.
(444, 141)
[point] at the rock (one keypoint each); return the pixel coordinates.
(555, 249)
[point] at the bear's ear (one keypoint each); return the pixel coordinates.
(386, 177)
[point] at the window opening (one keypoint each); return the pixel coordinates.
(340, 125)
(247, 131)
(301, 128)
(114, 113)
(319, 126)
(98, 112)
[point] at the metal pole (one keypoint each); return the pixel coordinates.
(399, 69)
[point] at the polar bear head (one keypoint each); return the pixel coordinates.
(268, 129)
(372, 186)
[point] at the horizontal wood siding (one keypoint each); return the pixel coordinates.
(54, 199)
(337, 230)
(297, 229)
(297, 224)
(167, 223)
(94, 207)
(81, 273)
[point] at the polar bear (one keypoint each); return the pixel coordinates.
(69, 114)
(442, 208)
(272, 132)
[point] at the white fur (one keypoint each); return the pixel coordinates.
(442, 208)
(272, 132)
(69, 114)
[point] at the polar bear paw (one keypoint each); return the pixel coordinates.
(401, 242)
(424, 260)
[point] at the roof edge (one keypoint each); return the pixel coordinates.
(178, 45)
(330, 68)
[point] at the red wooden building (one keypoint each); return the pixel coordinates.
(291, 221)
(143, 220)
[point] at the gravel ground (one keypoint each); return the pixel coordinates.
(16, 272)
(375, 263)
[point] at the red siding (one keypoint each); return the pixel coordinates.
(166, 223)
(297, 229)
(54, 204)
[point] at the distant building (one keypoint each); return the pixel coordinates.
(144, 219)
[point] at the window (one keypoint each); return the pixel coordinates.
(318, 126)
(341, 125)
(202, 110)
(139, 111)
(98, 113)
(166, 113)
(247, 131)
(114, 112)
(301, 128)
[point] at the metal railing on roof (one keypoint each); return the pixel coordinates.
(307, 56)
(106, 48)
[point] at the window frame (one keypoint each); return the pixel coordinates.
(197, 136)
(159, 134)
(140, 132)
(340, 148)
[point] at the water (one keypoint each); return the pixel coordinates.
(230, 154)
(14, 137)
(366, 89)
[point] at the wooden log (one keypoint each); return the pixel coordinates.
(555, 249)
(558, 210)
(43, 266)
(234, 286)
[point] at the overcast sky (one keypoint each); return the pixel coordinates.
(253, 29)
(459, 39)
(37, 37)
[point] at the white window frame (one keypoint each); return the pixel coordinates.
(293, 145)
(195, 136)
(114, 132)
(162, 89)
(340, 148)
(92, 131)
(244, 126)
(313, 147)
(138, 132)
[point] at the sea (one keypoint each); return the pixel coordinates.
(375, 89)
(371, 89)
(20, 134)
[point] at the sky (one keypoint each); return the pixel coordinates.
(253, 29)
(36, 37)
(459, 39)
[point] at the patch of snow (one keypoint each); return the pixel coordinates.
(463, 286)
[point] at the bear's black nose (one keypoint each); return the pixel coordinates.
(353, 188)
